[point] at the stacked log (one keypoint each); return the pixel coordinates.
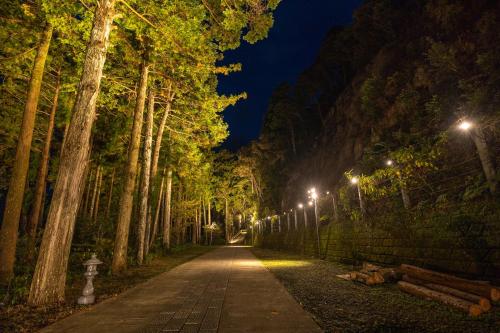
(471, 296)
(371, 275)
(473, 309)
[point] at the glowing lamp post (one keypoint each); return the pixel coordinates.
(334, 203)
(404, 194)
(479, 140)
(301, 206)
(355, 181)
(314, 197)
(88, 296)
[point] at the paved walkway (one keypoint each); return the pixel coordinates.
(225, 290)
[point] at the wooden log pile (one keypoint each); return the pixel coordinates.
(371, 275)
(471, 296)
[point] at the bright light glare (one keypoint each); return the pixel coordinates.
(389, 162)
(300, 205)
(313, 190)
(310, 203)
(314, 195)
(354, 180)
(465, 125)
(327, 192)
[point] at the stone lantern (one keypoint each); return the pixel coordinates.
(91, 271)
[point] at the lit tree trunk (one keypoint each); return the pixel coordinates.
(146, 173)
(194, 232)
(41, 179)
(295, 216)
(96, 209)
(157, 213)
(166, 221)
(479, 140)
(110, 195)
(406, 197)
(209, 215)
(226, 214)
(49, 279)
(199, 222)
(204, 222)
(159, 137)
(15, 194)
(94, 192)
(65, 135)
(84, 207)
(127, 196)
(335, 208)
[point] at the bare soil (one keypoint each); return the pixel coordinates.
(344, 306)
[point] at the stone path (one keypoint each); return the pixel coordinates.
(225, 290)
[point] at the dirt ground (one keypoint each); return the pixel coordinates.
(23, 318)
(344, 306)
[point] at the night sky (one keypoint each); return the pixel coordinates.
(292, 45)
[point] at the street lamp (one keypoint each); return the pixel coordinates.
(314, 196)
(301, 206)
(355, 181)
(404, 193)
(478, 137)
(335, 208)
(465, 125)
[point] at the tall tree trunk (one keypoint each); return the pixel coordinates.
(49, 279)
(127, 196)
(85, 206)
(168, 201)
(157, 212)
(335, 207)
(110, 195)
(146, 173)
(15, 194)
(98, 196)
(41, 179)
(209, 216)
(65, 135)
(194, 231)
(226, 215)
(159, 137)
(94, 192)
(483, 151)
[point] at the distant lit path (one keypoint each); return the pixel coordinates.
(225, 290)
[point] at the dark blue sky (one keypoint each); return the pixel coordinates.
(292, 45)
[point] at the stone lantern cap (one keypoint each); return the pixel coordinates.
(92, 261)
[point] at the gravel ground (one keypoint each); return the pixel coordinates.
(344, 306)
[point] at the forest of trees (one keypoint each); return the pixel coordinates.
(383, 102)
(109, 117)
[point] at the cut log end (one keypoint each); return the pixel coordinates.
(495, 294)
(475, 310)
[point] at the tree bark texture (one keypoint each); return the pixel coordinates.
(41, 178)
(168, 200)
(127, 196)
(49, 278)
(146, 173)
(110, 194)
(15, 194)
(157, 212)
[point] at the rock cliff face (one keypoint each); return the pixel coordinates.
(400, 76)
